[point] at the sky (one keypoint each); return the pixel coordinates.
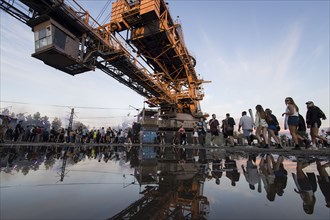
(254, 52)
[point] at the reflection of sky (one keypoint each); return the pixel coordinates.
(89, 189)
(93, 190)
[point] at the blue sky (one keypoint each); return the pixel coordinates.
(254, 52)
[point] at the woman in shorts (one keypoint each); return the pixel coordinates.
(261, 126)
(292, 120)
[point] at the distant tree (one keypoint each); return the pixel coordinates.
(5, 111)
(56, 123)
(37, 119)
(77, 124)
(13, 115)
(45, 122)
(29, 120)
(21, 116)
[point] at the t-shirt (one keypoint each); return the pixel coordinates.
(246, 122)
(214, 123)
(201, 127)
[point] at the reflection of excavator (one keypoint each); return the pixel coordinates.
(151, 59)
(177, 193)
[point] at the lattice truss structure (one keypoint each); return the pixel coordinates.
(151, 58)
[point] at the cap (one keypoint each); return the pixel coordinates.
(309, 102)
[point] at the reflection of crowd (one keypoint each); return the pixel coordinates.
(270, 175)
(25, 158)
(262, 172)
(306, 183)
(273, 175)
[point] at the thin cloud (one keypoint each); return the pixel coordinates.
(287, 50)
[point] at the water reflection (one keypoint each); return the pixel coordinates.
(273, 175)
(125, 182)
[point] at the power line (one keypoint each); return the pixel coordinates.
(67, 106)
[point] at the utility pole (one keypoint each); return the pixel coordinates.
(71, 120)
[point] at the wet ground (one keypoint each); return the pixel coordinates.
(147, 182)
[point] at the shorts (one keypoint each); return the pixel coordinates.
(263, 123)
(293, 120)
(304, 184)
(316, 125)
(230, 132)
(272, 127)
(215, 133)
(247, 132)
(279, 173)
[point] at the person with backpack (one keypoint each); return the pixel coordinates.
(273, 128)
(313, 120)
(301, 133)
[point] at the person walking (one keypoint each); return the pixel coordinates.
(292, 120)
(201, 129)
(183, 135)
(2, 129)
(261, 126)
(230, 124)
(214, 129)
(301, 133)
(313, 120)
(272, 128)
(18, 133)
(224, 130)
(195, 134)
(246, 123)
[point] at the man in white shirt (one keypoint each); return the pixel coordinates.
(246, 123)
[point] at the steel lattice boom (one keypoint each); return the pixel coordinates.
(152, 60)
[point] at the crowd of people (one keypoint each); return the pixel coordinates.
(263, 127)
(37, 134)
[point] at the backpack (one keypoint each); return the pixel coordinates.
(320, 114)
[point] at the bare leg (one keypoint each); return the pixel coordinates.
(293, 132)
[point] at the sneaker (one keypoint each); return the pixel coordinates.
(313, 148)
(278, 147)
(296, 148)
(211, 144)
(215, 145)
(307, 142)
(266, 146)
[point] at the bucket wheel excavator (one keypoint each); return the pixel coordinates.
(141, 46)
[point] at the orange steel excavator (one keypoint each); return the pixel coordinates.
(151, 59)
